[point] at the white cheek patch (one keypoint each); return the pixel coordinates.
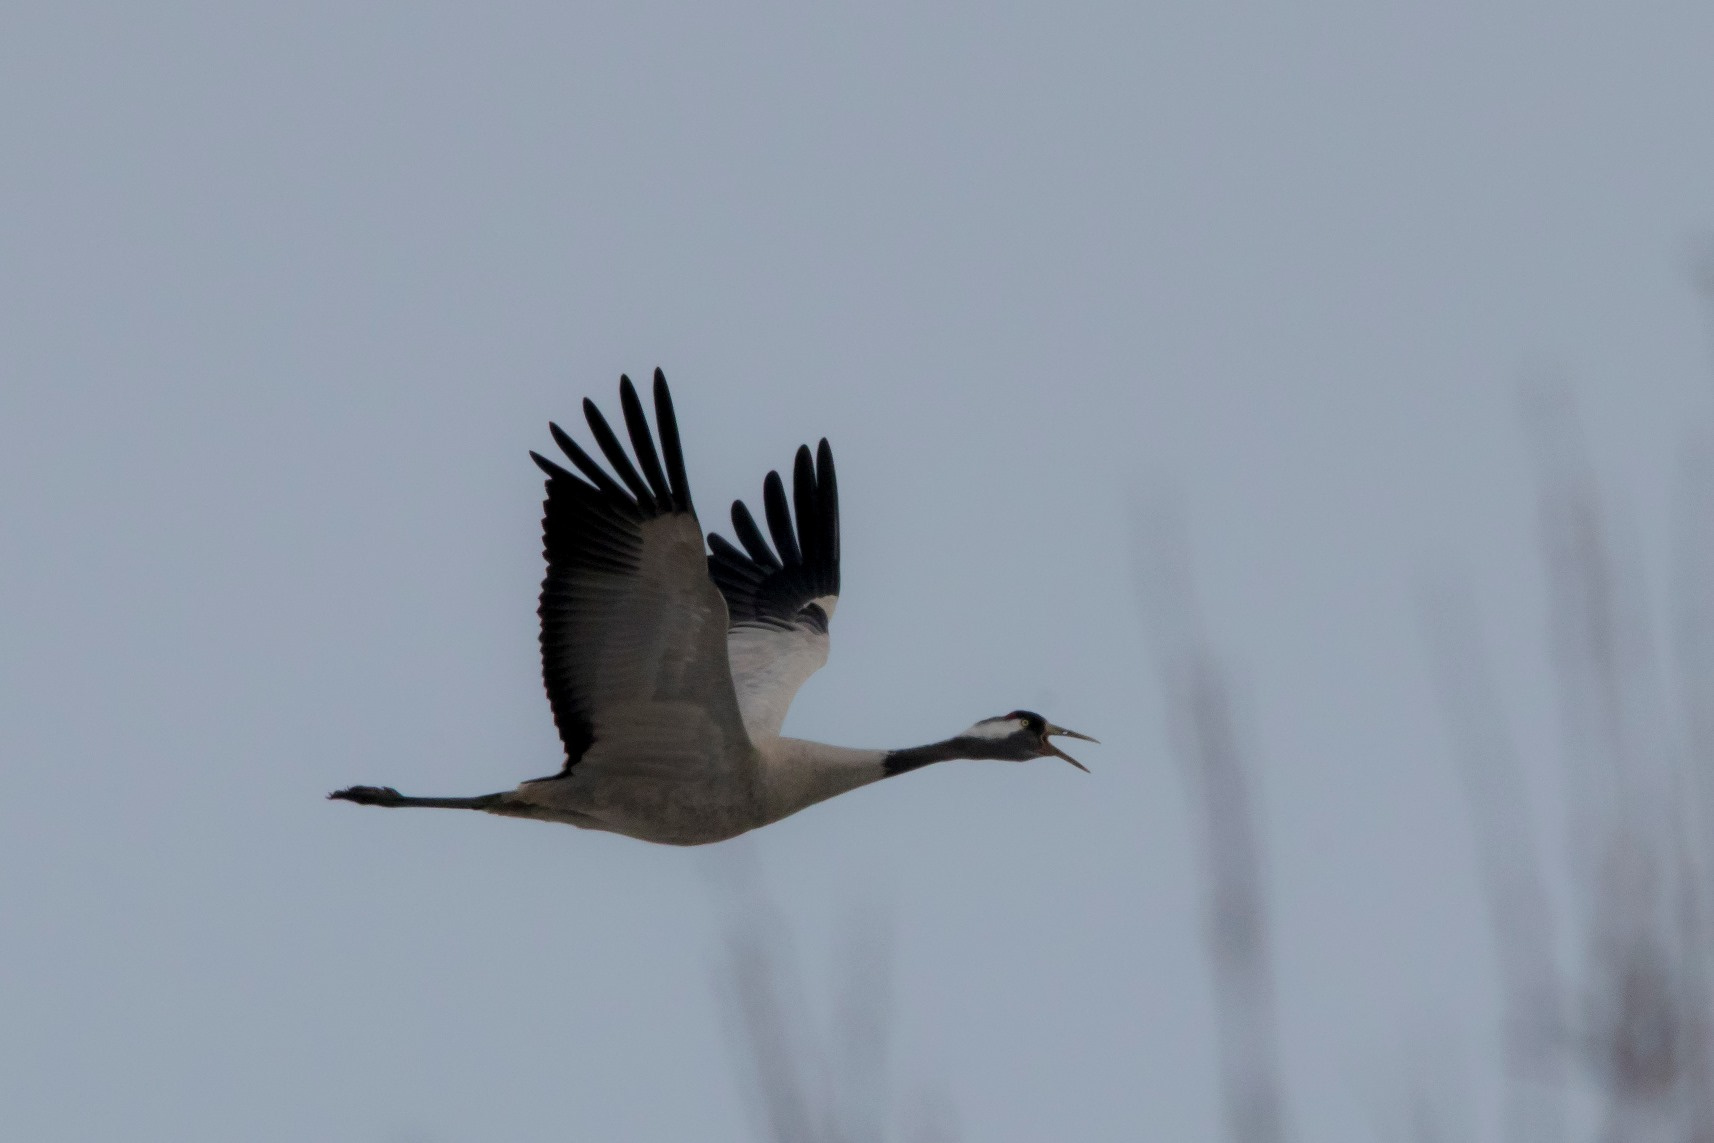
(995, 728)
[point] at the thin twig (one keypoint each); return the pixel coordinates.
(1205, 739)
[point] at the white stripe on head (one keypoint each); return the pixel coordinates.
(995, 728)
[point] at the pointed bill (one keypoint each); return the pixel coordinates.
(1064, 733)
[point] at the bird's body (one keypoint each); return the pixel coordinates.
(655, 802)
(670, 667)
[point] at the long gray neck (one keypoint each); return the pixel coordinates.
(797, 774)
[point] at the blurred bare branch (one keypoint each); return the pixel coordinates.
(1205, 738)
(1693, 625)
(1638, 808)
(766, 1002)
(1519, 907)
(864, 1022)
(1647, 1008)
(807, 1088)
(1702, 280)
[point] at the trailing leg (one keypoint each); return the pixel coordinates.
(387, 796)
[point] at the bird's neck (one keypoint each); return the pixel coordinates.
(916, 757)
(797, 773)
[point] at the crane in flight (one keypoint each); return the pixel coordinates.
(669, 667)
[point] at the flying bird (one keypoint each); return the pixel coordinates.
(669, 667)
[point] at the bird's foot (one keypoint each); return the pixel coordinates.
(369, 795)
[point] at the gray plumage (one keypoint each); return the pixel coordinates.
(670, 669)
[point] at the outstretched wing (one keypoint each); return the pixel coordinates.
(780, 603)
(633, 629)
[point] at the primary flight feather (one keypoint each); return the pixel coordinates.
(670, 667)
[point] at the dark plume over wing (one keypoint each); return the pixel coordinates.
(633, 630)
(767, 590)
(780, 602)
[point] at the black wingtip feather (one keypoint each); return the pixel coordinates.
(554, 471)
(828, 489)
(751, 536)
(615, 452)
(779, 591)
(586, 465)
(643, 443)
(803, 502)
(723, 549)
(780, 519)
(671, 450)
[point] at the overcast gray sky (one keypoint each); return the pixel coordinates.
(287, 292)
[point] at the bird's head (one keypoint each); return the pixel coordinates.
(1022, 735)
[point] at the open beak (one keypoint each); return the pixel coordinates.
(1064, 733)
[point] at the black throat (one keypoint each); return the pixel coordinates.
(916, 757)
